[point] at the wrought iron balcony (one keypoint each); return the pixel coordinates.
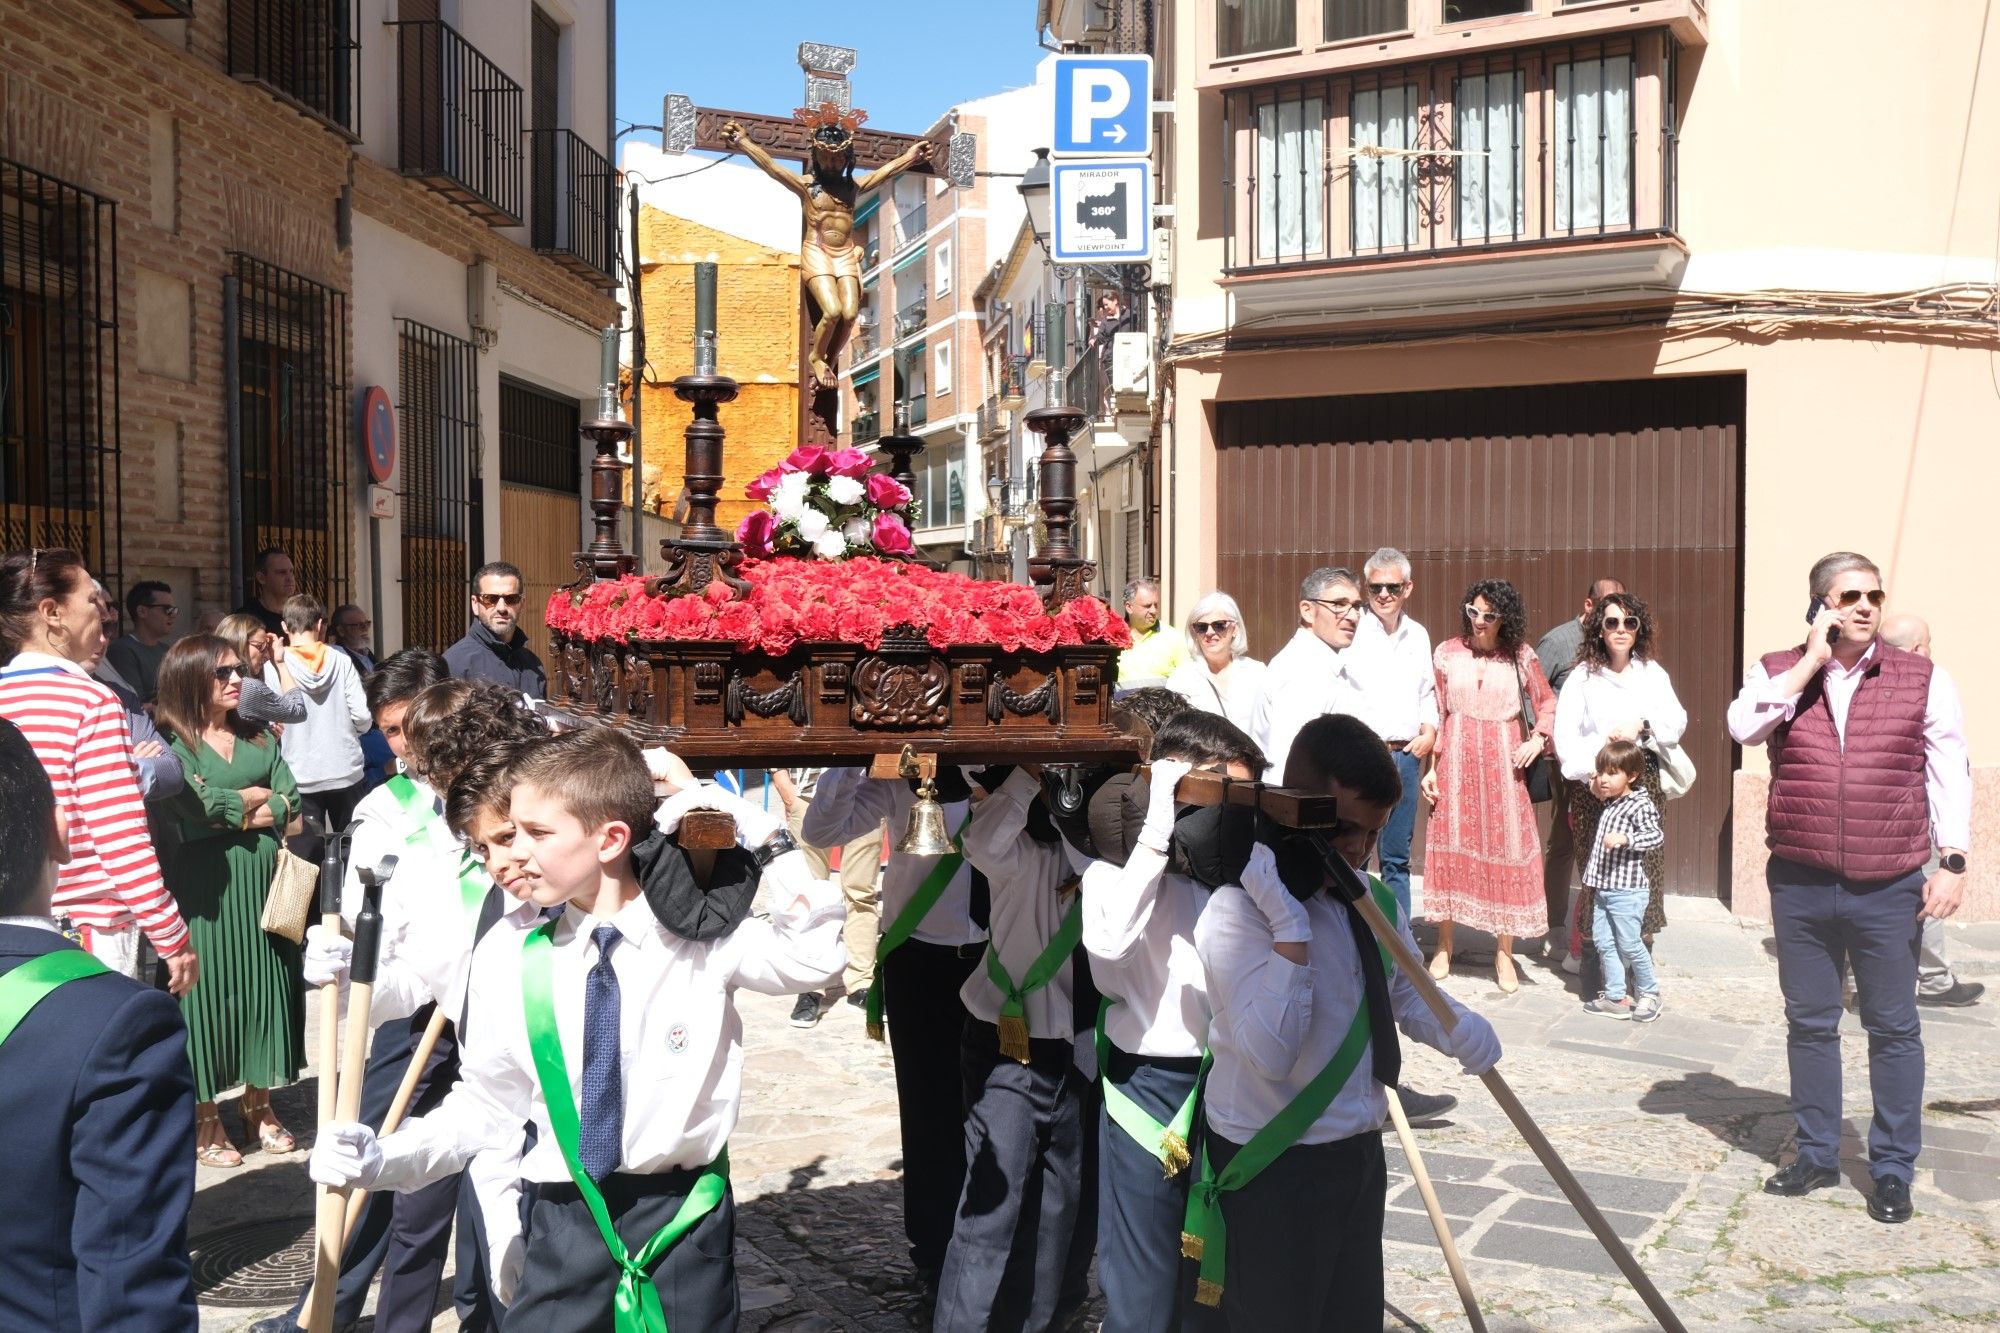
(867, 428)
(303, 51)
(912, 319)
(911, 223)
(1013, 383)
(914, 410)
(573, 210)
(461, 125)
(863, 343)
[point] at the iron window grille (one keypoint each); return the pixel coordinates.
(1532, 146)
(59, 406)
(460, 121)
(573, 212)
(305, 51)
(286, 358)
(540, 439)
(437, 431)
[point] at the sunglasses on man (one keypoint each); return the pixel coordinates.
(490, 600)
(1852, 597)
(1387, 589)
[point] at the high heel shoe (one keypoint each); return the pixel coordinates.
(1505, 975)
(1441, 964)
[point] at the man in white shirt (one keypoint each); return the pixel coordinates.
(920, 965)
(1317, 672)
(1290, 1231)
(1402, 698)
(652, 1017)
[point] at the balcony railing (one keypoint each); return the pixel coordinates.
(1013, 382)
(460, 121)
(991, 419)
(1085, 381)
(911, 319)
(911, 223)
(1560, 144)
(914, 410)
(573, 212)
(867, 428)
(863, 343)
(305, 51)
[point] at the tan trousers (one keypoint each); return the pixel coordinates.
(860, 865)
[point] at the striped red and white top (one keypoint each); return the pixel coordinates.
(78, 730)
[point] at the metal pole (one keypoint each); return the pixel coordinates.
(232, 410)
(637, 290)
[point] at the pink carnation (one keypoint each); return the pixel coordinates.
(885, 492)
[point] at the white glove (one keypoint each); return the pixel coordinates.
(346, 1154)
(508, 1260)
(754, 824)
(1285, 914)
(327, 957)
(1473, 1043)
(1159, 825)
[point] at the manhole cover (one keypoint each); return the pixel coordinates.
(254, 1264)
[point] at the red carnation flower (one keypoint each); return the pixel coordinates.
(739, 622)
(819, 624)
(1038, 633)
(687, 618)
(862, 625)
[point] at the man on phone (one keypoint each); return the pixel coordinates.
(1868, 767)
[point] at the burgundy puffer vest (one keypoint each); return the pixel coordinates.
(1859, 810)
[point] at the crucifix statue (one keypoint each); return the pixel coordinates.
(826, 135)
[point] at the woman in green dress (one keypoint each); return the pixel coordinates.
(246, 1015)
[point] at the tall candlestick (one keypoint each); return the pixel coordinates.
(704, 317)
(607, 371)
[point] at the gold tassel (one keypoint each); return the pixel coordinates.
(1173, 1153)
(1191, 1246)
(1014, 1037)
(875, 1032)
(1207, 1293)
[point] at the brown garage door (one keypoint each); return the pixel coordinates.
(1549, 486)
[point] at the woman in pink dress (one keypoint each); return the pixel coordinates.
(1483, 859)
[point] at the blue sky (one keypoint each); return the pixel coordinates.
(915, 60)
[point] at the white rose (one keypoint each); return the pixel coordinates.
(812, 524)
(829, 545)
(855, 530)
(788, 500)
(845, 490)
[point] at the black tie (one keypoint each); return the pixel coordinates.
(1384, 1053)
(980, 908)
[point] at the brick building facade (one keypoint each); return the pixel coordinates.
(222, 222)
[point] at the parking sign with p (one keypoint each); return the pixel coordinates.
(1104, 106)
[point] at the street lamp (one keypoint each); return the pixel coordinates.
(1034, 188)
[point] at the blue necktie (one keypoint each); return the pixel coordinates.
(602, 1134)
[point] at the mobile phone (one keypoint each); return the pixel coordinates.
(1813, 608)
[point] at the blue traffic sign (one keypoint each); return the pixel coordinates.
(1104, 106)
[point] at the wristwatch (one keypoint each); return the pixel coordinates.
(1952, 861)
(773, 847)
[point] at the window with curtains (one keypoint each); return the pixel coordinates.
(1291, 165)
(1383, 186)
(1349, 19)
(1246, 26)
(1593, 167)
(1489, 111)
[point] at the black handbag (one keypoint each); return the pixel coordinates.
(1540, 775)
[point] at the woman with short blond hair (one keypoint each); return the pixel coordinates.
(1219, 676)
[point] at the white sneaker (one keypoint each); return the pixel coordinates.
(1573, 964)
(1647, 1009)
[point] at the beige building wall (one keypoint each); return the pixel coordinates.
(1875, 434)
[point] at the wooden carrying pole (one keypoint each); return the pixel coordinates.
(331, 1223)
(1436, 1211)
(326, 1204)
(406, 1092)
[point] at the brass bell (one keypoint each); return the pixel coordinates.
(926, 835)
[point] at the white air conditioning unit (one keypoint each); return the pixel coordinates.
(1131, 369)
(482, 302)
(1082, 22)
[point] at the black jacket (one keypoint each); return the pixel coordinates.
(98, 1102)
(481, 656)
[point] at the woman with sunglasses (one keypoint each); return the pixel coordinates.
(1616, 692)
(1483, 860)
(262, 654)
(246, 1016)
(1219, 676)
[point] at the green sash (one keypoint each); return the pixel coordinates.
(472, 885)
(1013, 1023)
(1167, 1142)
(636, 1303)
(411, 802)
(907, 920)
(423, 823)
(30, 983)
(1204, 1235)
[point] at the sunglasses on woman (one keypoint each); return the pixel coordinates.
(1481, 617)
(223, 674)
(1853, 597)
(1622, 622)
(1207, 627)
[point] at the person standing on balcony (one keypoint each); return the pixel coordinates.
(273, 580)
(1156, 649)
(494, 647)
(136, 656)
(1869, 770)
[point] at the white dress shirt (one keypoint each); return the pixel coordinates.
(1026, 911)
(1276, 1025)
(1402, 682)
(1233, 694)
(1763, 706)
(1138, 927)
(680, 1037)
(848, 803)
(1307, 679)
(1592, 702)
(381, 827)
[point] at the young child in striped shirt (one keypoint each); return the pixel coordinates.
(1628, 827)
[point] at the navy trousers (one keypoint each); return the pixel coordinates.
(1010, 1243)
(1823, 923)
(1140, 1209)
(920, 1005)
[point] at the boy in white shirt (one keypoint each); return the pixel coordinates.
(619, 1041)
(1305, 1008)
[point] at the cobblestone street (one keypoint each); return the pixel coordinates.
(1672, 1128)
